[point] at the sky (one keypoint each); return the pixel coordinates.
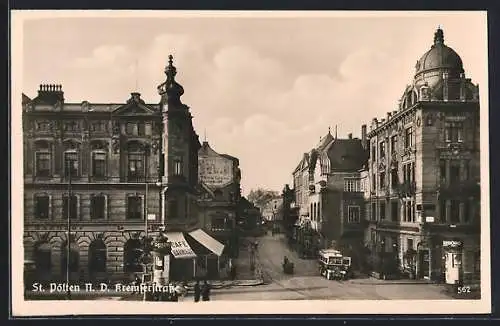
(263, 88)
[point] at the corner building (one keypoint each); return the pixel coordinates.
(97, 164)
(116, 172)
(424, 172)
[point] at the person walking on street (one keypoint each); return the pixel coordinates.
(205, 291)
(197, 291)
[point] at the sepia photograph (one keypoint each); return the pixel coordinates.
(249, 162)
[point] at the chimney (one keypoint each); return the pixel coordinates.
(389, 114)
(363, 136)
(349, 135)
(51, 93)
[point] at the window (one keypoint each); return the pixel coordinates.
(374, 184)
(353, 214)
(394, 144)
(71, 164)
(454, 171)
(42, 206)
(374, 152)
(352, 185)
(135, 166)
(134, 207)
(42, 164)
(382, 180)
(394, 178)
(466, 172)
(141, 129)
(409, 137)
(382, 211)
(442, 211)
(99, 126)
(374, 212)
(72, 205)
(442, 171)
(130, 128)
(99, 164)
(382, 149)
(218, 223)
(467, 213)
(178, 167)
(454, 211)
(394, 211)
(408, 172)
(97, 257)
(409, 244)
(98, 207)
(453, 132)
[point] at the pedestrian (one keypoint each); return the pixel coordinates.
(233, 272)
(205, 291)
(197, 291)
(180, 290)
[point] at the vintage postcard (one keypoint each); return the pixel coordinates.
(249, 163)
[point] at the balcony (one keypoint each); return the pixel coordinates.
(406, 189)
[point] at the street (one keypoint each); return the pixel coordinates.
(304, 284)
(307, 284)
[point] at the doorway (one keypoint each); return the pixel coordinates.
(452, 267)
(424, 263)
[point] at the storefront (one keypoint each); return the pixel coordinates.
(212, 260)
(183, 260)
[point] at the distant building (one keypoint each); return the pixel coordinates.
(424, 174)
(271, 211)
(219, 176)
(329, 195)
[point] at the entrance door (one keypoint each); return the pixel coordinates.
(424, 264)
(452, 267)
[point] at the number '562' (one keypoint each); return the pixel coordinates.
(463, 289)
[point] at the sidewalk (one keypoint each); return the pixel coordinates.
(375, 281)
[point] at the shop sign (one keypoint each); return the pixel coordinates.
(452, 243)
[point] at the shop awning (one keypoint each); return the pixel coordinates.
(179, 245)
(207, 241)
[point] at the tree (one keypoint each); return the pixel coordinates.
(262, 197)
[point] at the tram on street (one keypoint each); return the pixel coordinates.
(333, 265)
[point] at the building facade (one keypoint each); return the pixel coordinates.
(423, 172)
(219, 177)
(106, 177)
(96, 165)
(328, 191)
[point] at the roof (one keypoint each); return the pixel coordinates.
(439, 56)
(346, 154)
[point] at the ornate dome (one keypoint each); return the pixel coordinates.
(440, 57)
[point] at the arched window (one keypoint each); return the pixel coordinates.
(43, 257)
(74, 257)
(132, 253)
(315, 212)
(97, 256)
(43, 158)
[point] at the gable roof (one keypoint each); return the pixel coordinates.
(134, 106)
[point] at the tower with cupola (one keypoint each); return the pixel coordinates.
(180, 145)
